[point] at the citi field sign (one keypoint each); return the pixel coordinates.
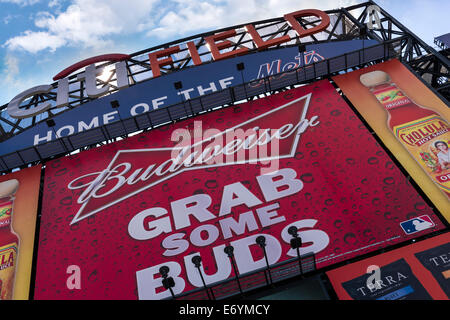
(299, 158)
(159, 92)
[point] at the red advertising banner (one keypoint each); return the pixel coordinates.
(420, 271)
(113, 216)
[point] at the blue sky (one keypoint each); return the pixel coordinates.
(40, 38)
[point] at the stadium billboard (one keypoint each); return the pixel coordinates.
(300, 158)
(411, 121)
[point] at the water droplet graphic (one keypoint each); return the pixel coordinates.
(307, 178)
(61, 172)
(338, 224)
(93, 276)
(55, 164)
(350, 238)
(420, 206)
(299, 156)
(389, 165)
(211, 184)
(336, 113)
(66, 201)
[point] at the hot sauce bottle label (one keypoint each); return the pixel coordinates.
(5, 213)
(428, 141)
(8, 255)
(391, 97)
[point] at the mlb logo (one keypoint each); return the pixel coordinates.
(417, 224)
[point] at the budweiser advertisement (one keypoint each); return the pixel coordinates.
(19, 194)
(113, 216)
(420, 271)
(411, 121)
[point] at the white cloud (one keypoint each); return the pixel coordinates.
(35, 41)
(93, 24)
(11, 82)
(12, 67)
(8, 18)
(22, 3)
(85, 22)
(193, 15)
(54, 3)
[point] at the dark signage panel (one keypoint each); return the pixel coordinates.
(420, 271)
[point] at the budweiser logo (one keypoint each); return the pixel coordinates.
(253, 141)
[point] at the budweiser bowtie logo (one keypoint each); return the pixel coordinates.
(133, 171)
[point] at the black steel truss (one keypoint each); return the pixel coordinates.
(432, 66)
(434, 72)
(247, 283)
(231, 96)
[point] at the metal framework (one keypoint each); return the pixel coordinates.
(432, 66)
(354, 22)
(246, 283)
(231, 96)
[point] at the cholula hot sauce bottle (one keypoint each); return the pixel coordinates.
(423, 132)
(9, 242)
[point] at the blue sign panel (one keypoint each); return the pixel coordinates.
(160, 92)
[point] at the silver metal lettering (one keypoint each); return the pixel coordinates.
(14, 106)
(90, 78)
